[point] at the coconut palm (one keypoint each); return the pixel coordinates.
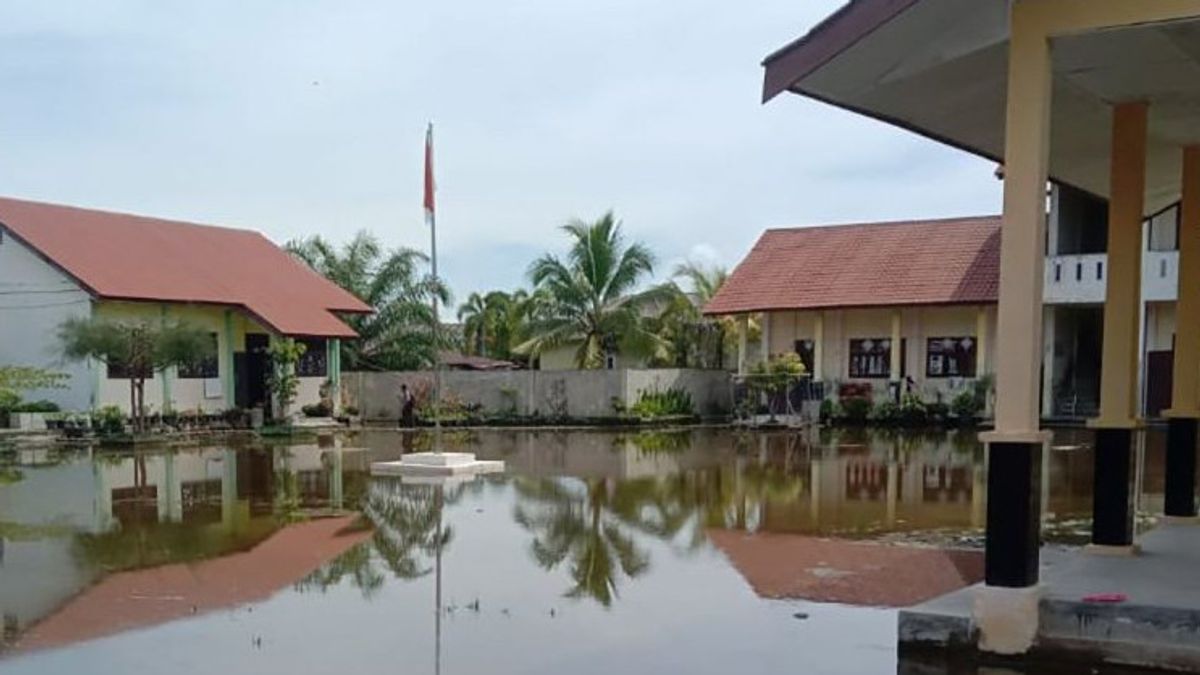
(492, 322)
(398, 335)
(590, 297)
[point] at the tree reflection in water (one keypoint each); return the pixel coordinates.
(576, 520)
(405, 518)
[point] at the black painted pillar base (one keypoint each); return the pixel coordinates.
(1112, 478)
(1180, 497)
(1014, 513)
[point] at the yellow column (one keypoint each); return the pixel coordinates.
(766, 337)
(1185, 392)
(818, 373)
(897, 346)
(1123, 294)
(1026, 154)
(743, 325)
(981, 341)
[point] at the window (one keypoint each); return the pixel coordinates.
(806, 350)
(118, 371)
(871, 358)
(207, 368)
(950, 357)
(313, 362)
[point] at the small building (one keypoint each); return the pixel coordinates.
(875, 302)
(60, 262)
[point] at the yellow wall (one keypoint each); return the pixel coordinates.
(188, 394)
(917, 325)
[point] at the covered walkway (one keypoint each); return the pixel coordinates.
(1099, 95)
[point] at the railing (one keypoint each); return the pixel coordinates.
(1075, 278)
(1082, 278)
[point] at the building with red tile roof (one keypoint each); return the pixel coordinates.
(59, 262)
(920, 262)
(843, 297)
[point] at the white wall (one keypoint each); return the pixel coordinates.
(35, 299)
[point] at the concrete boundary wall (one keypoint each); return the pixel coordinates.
(567, 393)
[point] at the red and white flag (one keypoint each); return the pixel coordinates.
(430, 188)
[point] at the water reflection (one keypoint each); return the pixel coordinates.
(613, 523)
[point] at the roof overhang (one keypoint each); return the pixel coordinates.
(939, 68)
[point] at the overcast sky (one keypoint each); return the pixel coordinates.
(298, 117)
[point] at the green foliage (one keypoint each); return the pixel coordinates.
(399, 334)
(776, 374)
(316, 410)
(14, 379)
(283, 382)
(857, 410)
(831, 410)
(913, 411)
(589, 300)
(967, 405)
(885, 413)
(42, 406)
(653, 403)
(140, 348)
(9, 400)
(495, 323)
(109, 420)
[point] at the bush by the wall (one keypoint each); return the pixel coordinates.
(653, 403)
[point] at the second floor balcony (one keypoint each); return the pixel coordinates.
(1081, 278)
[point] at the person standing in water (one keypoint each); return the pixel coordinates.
(408, 406)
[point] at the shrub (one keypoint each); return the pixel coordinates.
(857, 410)
(887, 412)
(36, 407)
(913, 411)
(830, 410)
(654, 403)
(109, 420)
(316, 410)
(967, 405)
(937, 411)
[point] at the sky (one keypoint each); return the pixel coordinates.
(303, 117)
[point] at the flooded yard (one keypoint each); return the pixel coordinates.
(699, 551)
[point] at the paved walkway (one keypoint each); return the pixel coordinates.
(1155, 622)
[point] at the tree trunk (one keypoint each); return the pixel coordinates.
(133, 403)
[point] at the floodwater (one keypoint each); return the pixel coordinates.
(699, 551)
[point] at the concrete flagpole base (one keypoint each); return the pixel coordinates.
(436, 464)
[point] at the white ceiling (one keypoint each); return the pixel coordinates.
(941, 68)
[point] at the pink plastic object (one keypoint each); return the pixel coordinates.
(1106, 597)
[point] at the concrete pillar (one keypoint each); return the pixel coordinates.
(743, 327)
(225, 365)
(818, 373)
(167, 374)
(1112, 507)
(1180, 492)
(766, 337)
(1006, 609)
(333, 364)
(1049, 328)
(897, 349)
(981, 341)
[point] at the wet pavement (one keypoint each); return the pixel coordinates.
(705, 551)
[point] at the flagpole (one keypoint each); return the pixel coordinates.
(431, 214)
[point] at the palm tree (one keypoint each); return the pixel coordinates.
(399, 335)
(590, 299)
(473, 314)
(704, 283)
(493, 321)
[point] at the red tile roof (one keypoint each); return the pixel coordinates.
(928, 262)
(118, 256)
